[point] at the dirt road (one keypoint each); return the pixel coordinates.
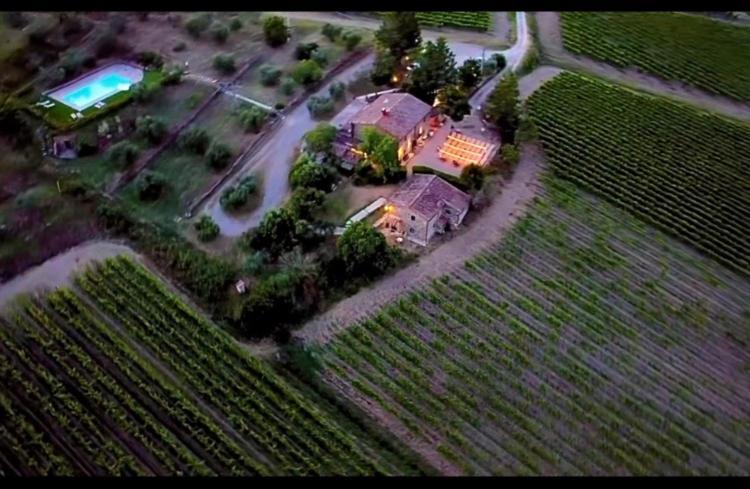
(550, 37)
(485, 231)
(60, 269)
(513, 58)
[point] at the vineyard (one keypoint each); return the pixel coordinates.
(674, 166)
(169, 394)
(478, 21)
(584, 343)
(698, 51)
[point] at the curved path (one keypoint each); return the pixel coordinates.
(550, 37)
(59, 270)
(273, 159)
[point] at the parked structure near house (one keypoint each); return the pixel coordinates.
(423, 206)
(64, 147)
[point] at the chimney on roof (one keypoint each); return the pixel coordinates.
(384, 110)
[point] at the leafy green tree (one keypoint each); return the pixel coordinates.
(269, 75)
(235, 197)
(224, 63)
(364, 250)
(383, 68)
(220, 33)
(331, 32)
(503, 107)
(123, 153)
(150, 185)
(436, 69)
(235, 24)
(254, 262)
(453, 102)
(207, 229)
(320, 139)
(472, 176)
(218, 155)
(197, 24)
(304, 201)
(195, 140)
(500, 61)
(288, 86)
(337, 90)
(276, 232)
(470, 73)
(275, 31)
(252, 118)
(308, 173)
(152, 129)
(382, 154)
(307, 72)
(351, 40)
(399, 33)
(305, 50)
(320, 106)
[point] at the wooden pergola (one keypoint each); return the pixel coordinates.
(466, 150)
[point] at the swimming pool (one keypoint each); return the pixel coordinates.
(94, 87)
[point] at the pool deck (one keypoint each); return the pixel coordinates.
(128, 70)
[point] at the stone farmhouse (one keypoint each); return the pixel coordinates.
(423, 206)
(400, 115)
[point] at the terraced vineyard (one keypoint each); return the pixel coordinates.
(695, 50)
(478, 21)
(674, 166)
(173, 395)
(584, 343)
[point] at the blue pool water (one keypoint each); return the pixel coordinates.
(97, 89)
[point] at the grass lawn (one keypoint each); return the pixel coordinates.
(348, 199)
(186, 174)
(172, 104)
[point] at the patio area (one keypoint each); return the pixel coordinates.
(455, 145)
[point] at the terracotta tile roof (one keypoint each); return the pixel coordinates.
(428, 194)
(402, 113)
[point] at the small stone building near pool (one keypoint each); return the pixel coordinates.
(423, 206)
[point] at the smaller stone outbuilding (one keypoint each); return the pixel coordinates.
(423, 206)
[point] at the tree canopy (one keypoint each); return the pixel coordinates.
(275, 31)
(453, 101)
(399, 33)
(320, 139)
(503, 107)
(436, 69)
(381, 149)
(364, 250)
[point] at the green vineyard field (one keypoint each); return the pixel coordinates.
(584, 343)
(120, 377)
(478, 21)
(674, 166)
(695, 50)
